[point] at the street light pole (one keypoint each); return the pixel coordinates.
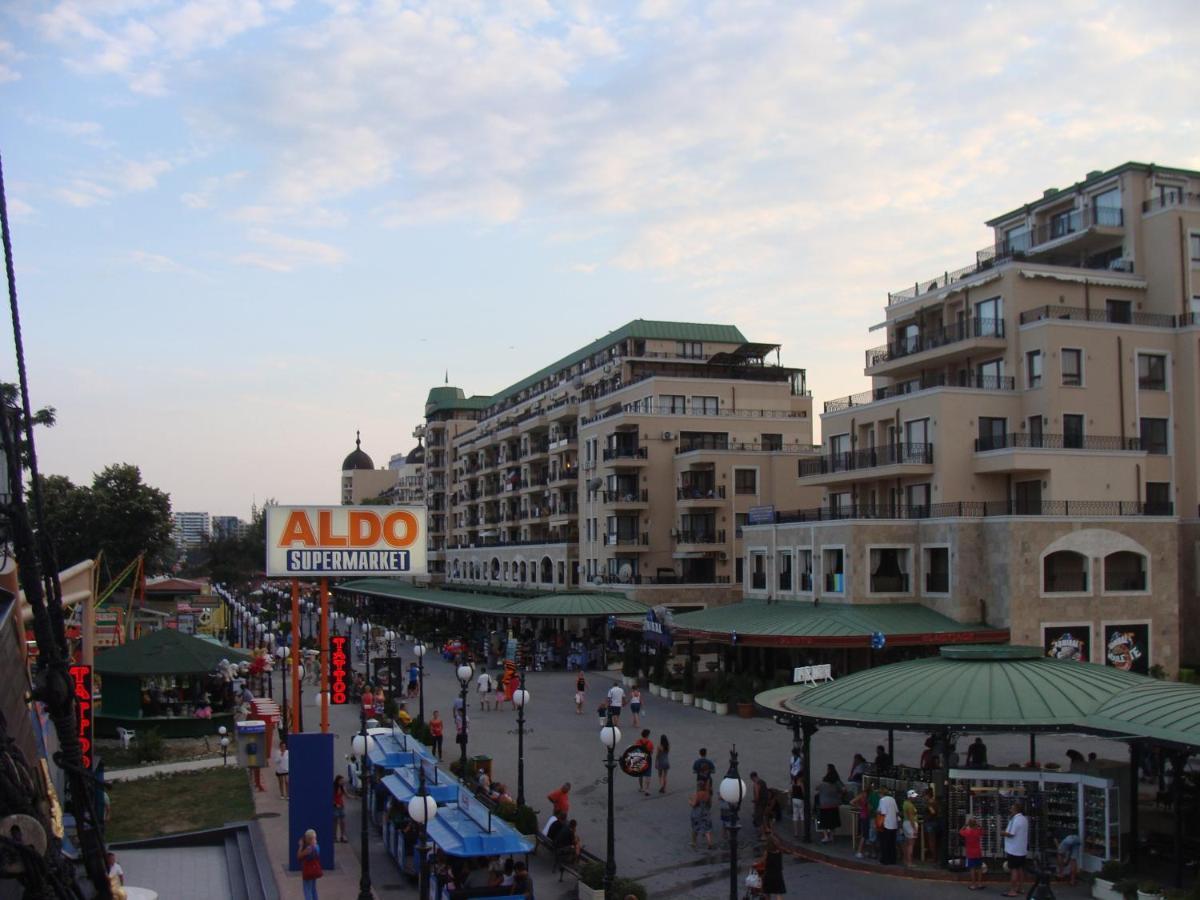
(419, 652)
(610, 735)
(422, 808)
(364, 879)
(520, 698)
(464, 679)
(732, 790)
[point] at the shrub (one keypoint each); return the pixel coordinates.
(149, 746)
(1150, 886)
(1127, 887)
(1113, 870)
(592, 874)
(623, 887)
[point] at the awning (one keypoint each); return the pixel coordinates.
(455, 832)
(803, 624)
(1100, 280)
(558, 604)
(404, 784)
(1161, 711)
(166, 652)
(592, 604)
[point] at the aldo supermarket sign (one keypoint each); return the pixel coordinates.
(322, 541)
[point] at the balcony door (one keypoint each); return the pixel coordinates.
(988, 314)
(1027, 496)
(993, 433)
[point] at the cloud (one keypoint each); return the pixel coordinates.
(156, 262)
(209, 188)
(8, 55)
(18, 209)
(281, 253)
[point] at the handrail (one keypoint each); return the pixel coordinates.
(926, 383)
(978, 509)
(868, 458)
(1025, 440)
(942, 336)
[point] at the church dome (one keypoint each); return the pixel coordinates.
(416, 455)
(358, 459)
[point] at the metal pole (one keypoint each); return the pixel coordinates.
(462, 773)
(521, 745)
(364, 878)
(422, 848)
(421, 683)
(807, 729)
(283, 680)
(734, 827)
(1134, 785)
(323, 650)
(1178, 763)
(296, 655)
(610, 864)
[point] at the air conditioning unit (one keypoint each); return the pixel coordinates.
(668, 436)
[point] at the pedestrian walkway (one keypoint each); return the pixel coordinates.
(171, 768)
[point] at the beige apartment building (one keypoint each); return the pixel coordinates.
(1027, 453)
(632, 463)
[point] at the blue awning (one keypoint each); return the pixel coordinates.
(456, 833)
(391, 751)
(404, 784)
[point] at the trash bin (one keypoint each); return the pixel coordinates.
(483, 764)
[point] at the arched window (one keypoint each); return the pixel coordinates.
(506, 570)
(1124, 571)
(1065, 572)
(495, 569)
(547, 570)
(523, 573)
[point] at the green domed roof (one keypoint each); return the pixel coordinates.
(1160, 710)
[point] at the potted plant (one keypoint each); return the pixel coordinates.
(720, 695)
(689, 683)
(1149, 890)
(1104, 887)
(627, 887)
(591, 881)
(631, 662)
(1126, 888)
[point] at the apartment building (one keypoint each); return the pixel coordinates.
(190, 529)
(360, 480)
(633, 461)
(1027, 453)
(409, 467)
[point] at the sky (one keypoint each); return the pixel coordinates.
(244, 229)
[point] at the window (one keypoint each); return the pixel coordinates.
(1107, 207)
(1119, 311)
(1033, 369)
(889, 570)
(690, 349)
(805, 565)
(990, 374)
(772, 441)
(745, 481)
(987, 318)
(672, 403)
(1169, 194)
(839, 503)
(1073, 431)
(993, 433)
(1027, 498)
(1035, 431)
(1062, 223)
(1152, 372)
(703, 440)
(832, 562)
(783, 566)
(758, 571)
(1194, 240)
(1158, 498)
(1017, 238)
(916, 433)
(1072, 367)
(1065, 572)
(1124, 571)
(917, 498)
(704, 406)
(1154, 435)
(937, 570)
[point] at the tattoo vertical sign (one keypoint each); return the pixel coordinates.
(339, 665)
(81, 680)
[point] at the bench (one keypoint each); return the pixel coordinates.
(561, 862)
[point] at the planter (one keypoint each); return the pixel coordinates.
(629, 681)
(1105, 890)
(655, 690)
(721, 709)
(675, 696)
(706, 705)
(745, 709)
(688, 699)
(587, 893)
(1142, 895)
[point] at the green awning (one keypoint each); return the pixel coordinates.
(1162, 711)
(166, 652)
(789, 623)
(463, 601)
(592, 605)
(549, 605)
(965, 688)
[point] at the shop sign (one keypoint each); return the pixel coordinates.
(656, 627)
(760, 515)
(1127, 647)
(339, 666)
(1071, 641)
(319, 541)
(635, 761)
(81, 681)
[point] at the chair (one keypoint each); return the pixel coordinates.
(127, 736)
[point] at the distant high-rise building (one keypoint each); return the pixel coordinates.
(191, 528)
(229, 527)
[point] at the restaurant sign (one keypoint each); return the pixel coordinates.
(322, 541)
(81, 683)
(339, 659)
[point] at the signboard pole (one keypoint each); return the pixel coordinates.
(324, 655)
(295, 657)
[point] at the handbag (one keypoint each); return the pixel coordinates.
(880, 818)
(310, 869)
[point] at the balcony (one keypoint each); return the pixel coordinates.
(964, 336)
(1026, 441)
(740, 447)
(896, 583)
(564, 475)
(1179, 198)
(623, 539)
(1111, 317)
(626, 455)
(704, 537)
(625, 498)
(979, 509)
(700, 495)
(911, 459)
(929, 383)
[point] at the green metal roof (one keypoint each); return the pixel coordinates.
(972, 692)
(550, 605)
(1161, 710)
(798, 623)
(166, 652)
(442, 399)
(644, 329)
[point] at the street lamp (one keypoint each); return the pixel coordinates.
(359, 745)
(283, 652)
(419, 653)
(389, 636)
(422, 809)
(732, 790)
(224, 733)
(520, 698)
(610, 736)
(464, 674)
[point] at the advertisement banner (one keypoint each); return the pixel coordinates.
(339, 669)
(1127, 646)
(636, 761)
(81, 681)
(1072, 641)
(323, 541)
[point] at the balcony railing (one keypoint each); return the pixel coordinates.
(671, 410)
(1114, 317)
(1064, 582)
(758, 581)
(889, 584)
(892, 391)
(642, 496)
(1125, 581)
(676, 578)
(937, 582)
(977, 509)
(945, 335)
(565, 475)
(700, 492)
(626, 540)
(868, 458)
(613, 453)
(692, 536)
(1027, 441)
(744, 446)
(1170, 199)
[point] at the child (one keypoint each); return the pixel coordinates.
(972, 836)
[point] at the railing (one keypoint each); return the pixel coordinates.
(700, 492)
(943, 336)
(565, 475)
(605, 578)
(785, 581)
(937, 582)
(691, 536)
(626, 540)
(744, 446)
(1125, 581)
(1079, 314)
(637, 409)
(1064, 582)
(1173, 198)
(1025, 440)
(868, 458)
(892, 391)
(889, 584)
(611, 453)
(1017, 248)
(977, 509)
(564, 510)
(610, 497)
(758, 581)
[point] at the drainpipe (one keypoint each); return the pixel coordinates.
(1183, 267)
(1121, 386)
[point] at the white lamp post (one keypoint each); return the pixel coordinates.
(732, 790)
(610, 735)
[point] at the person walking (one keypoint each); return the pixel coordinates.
(829, 801)
(932, 824)
(281, 769)
(309, 856)
(798, 802)
(616, 699)
(339, 809)
(484, 683)
(436, 729)
(635, 706)
(972, 838)
(887, 822)
(648, 745)
(761, 797)
(701, 814)
(662, 762)
(580, 693)
(414, 679)
(773, 886)
(1016, 848)
(560, 802)
(908, 827)
(703, 767)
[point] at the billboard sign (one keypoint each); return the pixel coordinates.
(1070, 641)
(323, 541)
(81, 681)
(1127, 646)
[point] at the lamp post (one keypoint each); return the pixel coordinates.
(224, 733)
(359, 745)
(366, 639)
(422, 809)
(520, 699)
(283, 652)
(732, 790)
(390, 636)
(419, 653)
(464, 674)
(610, 736)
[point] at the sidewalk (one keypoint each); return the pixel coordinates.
(188, 765)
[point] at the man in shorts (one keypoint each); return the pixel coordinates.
(1016, 848)
(616, 699)
(485, 689)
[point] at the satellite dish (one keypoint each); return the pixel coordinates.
(625, 573)
(594, 484)
(607, 368)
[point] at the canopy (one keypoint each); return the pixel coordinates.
(456, 833)
(792, 624)
(404, 784)
(166, 652)
(549, 605)
(1162, 711)
(965, 689)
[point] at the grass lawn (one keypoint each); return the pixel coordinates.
(173, 750)
(188, 801)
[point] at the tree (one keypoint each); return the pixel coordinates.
(10, 397)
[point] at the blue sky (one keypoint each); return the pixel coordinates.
(245, 229)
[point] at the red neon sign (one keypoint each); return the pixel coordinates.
(339, 664)
(81, 677)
